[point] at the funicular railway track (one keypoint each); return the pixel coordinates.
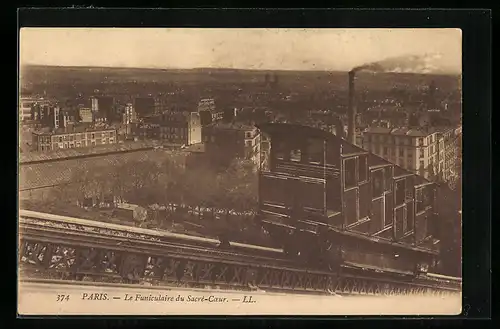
(72, 249)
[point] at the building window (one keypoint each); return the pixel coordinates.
(350, 173)
(393, 152)
(421, 152)
(400, 192)
(388, 179)
(401, 152)
(420, 142)
(423, 198)
(385, 150)
(363, 168)
(377, 183)
(422, 165)
(315, 151)
(93, 136)
(279, 151)
(296, 155)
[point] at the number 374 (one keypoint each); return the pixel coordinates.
(62, 298)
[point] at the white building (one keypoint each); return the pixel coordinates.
(416, 150)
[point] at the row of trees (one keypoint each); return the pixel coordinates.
(166, 183)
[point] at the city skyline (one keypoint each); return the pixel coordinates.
(253, 49)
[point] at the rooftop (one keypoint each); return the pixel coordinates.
(81, 128)
(31, 157)
(232, 125)
(403, 131)
(53, 173)
(195, 148)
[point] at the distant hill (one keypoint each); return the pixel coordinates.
(82, 77)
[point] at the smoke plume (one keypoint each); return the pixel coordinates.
(423, 64)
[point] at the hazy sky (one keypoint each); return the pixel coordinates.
(287, 49)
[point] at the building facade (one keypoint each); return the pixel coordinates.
(209, 112)
(52, 116)
(449, 149)
(129, 115)
(177, 128)
(26, 105)
(228, 141)
(412, 149)
(86, 115)
(43, 141)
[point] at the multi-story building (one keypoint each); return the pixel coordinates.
(449, 149)
(105, 105)
(51, 116)
(50, 140)
(416, 150)
(95, 104)
(178, 128)
(26, 105)
(129, 118)
(227, 141)
(86, 115)
(183, 128)
(209, 112)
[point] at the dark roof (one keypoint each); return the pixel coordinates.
(403, 131)
(80, 128)
(231, 125)
(84, 151)
(296, 129)
(46, 174)
(348, 148)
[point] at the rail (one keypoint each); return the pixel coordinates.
(73, 249)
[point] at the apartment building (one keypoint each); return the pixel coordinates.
(55, 139)
(416, 150)
(26, 105)
(230, 140)
(86, 115)
(209, 112)
(178, 128)
(449, 149)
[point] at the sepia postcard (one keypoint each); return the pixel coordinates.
(194, 171)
